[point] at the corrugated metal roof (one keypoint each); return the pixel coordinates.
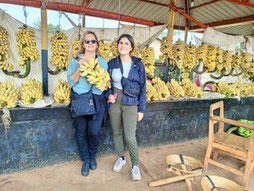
(221, 10)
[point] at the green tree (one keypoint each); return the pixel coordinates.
(51, 28)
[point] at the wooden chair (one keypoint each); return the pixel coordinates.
(229, 144)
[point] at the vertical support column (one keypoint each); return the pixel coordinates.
(187, 23)
(83, 20)
(171, 23)
(44, 50)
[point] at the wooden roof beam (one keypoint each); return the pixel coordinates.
(245, 3)
(204, 4)
(227, 23)
(180, 11)
(79, 9)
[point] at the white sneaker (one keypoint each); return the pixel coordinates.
(135, 173)
(119, 164)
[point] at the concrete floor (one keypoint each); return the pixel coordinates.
(67, 177)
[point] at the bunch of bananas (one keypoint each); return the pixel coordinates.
(26, 45)
(104, 50)
(166, 49)
(114, 50)
(219, 60)
(210, 64)
(175, 89)
(135, 51)
(225, 89)
(75, 46)
(151, 93)
(189, 61)
(228, 59)
(31, 91)
(245, 132)
(190, 88)
(9, 94)
(201, 53)
(161, 88)
(185, 75)
(95, 74)
(147, 57)
(237, 59)
(178, 54)
(246, 58)
(59, 50)
(6, 65)
(4, 44)
(62, 92)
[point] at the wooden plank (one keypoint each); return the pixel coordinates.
(232, 122)
(229, 149)
(225, 167)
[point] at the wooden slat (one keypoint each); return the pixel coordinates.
(228, 168)
(232, 122)
(229, 149)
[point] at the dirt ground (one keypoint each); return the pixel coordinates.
(67, 176)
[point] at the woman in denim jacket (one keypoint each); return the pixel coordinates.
(88, 127)
(129, 106)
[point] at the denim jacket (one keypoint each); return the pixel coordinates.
(136, 74)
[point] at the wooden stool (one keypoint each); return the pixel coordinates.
(232, 145)
(182, 174)
(211, 183)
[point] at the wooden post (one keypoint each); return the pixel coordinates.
(44, 50)
(83, 20)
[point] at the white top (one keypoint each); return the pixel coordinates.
(117, 75)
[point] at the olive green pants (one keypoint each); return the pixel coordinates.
(124, 118)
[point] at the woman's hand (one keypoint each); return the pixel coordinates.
(140, 116)
(112, 98)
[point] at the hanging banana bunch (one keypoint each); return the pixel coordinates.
(114, 50)
(161, 88)
(189, 61)
(75, 46)
(62, 92)
(26, 45)
(151, 93)
(237, 60)
(166, 49)
(210, 64)
(175, 89)
(95, 74)
(219, 60)
(4, 50)
(135, 51)
(190, 88)
(31, 91)
(9, 94)
(245, 64)
(178, 54)
(228, 59)
(147, 57)
(104, 50)
(59, 50)
(201, 53)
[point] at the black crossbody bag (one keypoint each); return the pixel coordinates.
(82, 104)
(130, 88)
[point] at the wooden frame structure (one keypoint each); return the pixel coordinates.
(229, 144)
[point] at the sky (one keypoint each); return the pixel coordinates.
(54, 18)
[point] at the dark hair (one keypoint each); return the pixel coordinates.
(129, 37)
(81, 48)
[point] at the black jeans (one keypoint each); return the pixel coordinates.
(88, 133)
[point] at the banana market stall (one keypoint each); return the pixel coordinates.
(36, 129)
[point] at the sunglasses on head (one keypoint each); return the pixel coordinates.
(93, 41)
